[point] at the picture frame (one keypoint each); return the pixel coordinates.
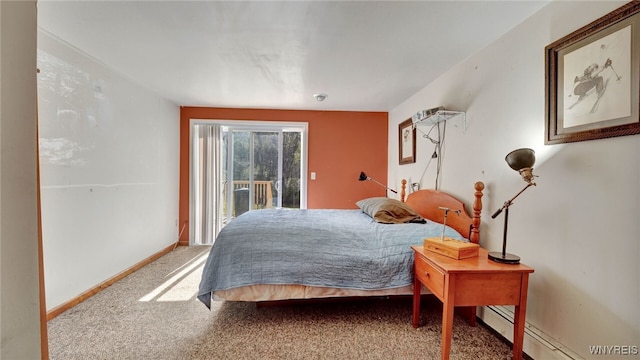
(593, 79)
(406, 142)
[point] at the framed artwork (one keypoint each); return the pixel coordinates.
(407, 142)
(593, 79)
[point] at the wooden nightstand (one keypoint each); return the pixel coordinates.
(471, 282)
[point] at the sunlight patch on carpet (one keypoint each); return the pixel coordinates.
(182, 286)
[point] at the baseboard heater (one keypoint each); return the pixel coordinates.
(537, 344)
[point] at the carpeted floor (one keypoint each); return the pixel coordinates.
(153, 314)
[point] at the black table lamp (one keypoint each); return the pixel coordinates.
(364, 177)
(522, 161)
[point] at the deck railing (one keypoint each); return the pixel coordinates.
(262, 193)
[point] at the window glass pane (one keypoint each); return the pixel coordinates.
(241, 172)
(265, 169)
(291, 151)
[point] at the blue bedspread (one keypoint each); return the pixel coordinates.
(328, 248)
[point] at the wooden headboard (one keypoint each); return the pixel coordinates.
(428, 202)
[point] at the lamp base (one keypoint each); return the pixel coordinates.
(505, 259)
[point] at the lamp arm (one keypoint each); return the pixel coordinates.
(509, 202)
(381, 184)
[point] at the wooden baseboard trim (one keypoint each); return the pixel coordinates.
(89, 293)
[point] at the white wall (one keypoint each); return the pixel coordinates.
(19, 292)
(109, 170)
(579, 227)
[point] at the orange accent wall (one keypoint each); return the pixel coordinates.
(341, 144)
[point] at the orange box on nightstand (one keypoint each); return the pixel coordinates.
(456, 249)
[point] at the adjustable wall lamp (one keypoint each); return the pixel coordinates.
(364, 177)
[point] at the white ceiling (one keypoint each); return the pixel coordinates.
(366, 55)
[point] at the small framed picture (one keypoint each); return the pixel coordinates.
(593, 79)
(407, 142)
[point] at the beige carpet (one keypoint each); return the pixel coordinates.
(153, 314)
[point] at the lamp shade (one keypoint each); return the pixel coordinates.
(521, 159)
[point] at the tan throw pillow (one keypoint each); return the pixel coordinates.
(389, 211)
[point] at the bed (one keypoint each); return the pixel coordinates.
(280, 254)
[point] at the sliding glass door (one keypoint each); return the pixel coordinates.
(259, 166)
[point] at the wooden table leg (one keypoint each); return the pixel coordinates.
(447, 330)
(469, 313)
(447, 316)
(472, 315)
(518, 319)
(417, 286)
